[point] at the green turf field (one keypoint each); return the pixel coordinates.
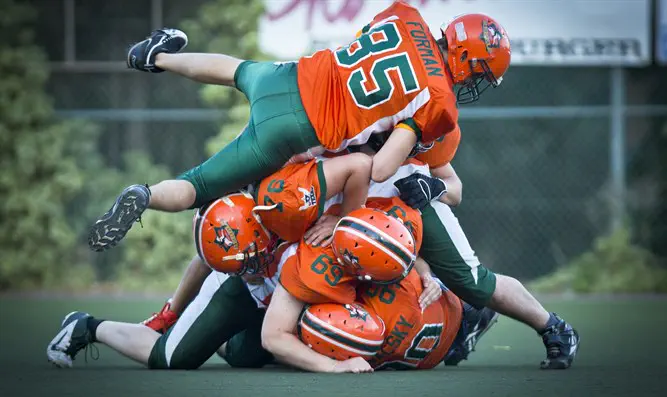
(623, 354)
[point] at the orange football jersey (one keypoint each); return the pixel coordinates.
(413, 340)
(443, 150)
(312, 275)
(298, 193)
(393, 72)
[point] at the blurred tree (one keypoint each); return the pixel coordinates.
(613, 265)
(228, 27)
(40, 161)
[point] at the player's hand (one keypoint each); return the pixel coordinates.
(321, 233)
(432, 291)
(417, 190)
(356, 365)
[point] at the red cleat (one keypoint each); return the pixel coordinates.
(163, 320)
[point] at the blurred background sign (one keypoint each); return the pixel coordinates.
(661, 33)
(564, 32)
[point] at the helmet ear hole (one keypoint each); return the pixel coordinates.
(464, 56)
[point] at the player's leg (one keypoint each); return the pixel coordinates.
(244, 350)
(221, 311)
(278, 129)
(203, 68)
(158, 53)
(475, 323)
(187, 290)
(446, 249)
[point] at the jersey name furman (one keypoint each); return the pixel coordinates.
(423, 43)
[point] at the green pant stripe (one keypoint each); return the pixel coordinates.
(323, 188)
(219, 312)
(447, 251)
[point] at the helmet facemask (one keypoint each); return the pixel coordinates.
(470, 90)
(254, 262)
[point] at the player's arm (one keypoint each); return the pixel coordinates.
(349, 174)
(454, 193)
(278, 335)
(393, 153)
(187, 290)
(432, 291)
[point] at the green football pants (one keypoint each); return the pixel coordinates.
(278, 129)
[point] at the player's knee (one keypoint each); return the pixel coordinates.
(506, 286)
(361, 162)
(196, 196)
(186, 362)
(270, 339)
(247, 361)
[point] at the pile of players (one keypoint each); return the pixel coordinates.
(336, 145)
(354, 302)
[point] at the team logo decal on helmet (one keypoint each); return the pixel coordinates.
(350, 259)
(230, 238)
(357, 312)
(491, 35)
(225, 237)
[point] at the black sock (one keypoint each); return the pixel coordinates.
(92, 325)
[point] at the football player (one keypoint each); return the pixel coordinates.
(227, 311)
(453, 261)
(294, 197)
(415, 338)
(395, 74)
(312, 275)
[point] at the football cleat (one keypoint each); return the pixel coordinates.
(141, 56)
(562, 343)
(114, 225)
(474, 325)
(73, 337)
(162, 321)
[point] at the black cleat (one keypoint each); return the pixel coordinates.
(114, 225)
(73, 337)
(141, 56)
(562, 343)
(474, 325)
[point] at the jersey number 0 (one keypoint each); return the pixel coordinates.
(383, 39)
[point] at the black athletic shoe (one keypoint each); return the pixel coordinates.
(474, 325)
(114, 225)
(73, 337)
(141, 56)
(562, 343)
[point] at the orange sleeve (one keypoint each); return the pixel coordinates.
(438, 116)
(290, 280)
(297, 193)
(443, 150)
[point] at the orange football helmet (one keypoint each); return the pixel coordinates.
(230, 237)
(478, 51)
(341, 332)
(374, 245)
